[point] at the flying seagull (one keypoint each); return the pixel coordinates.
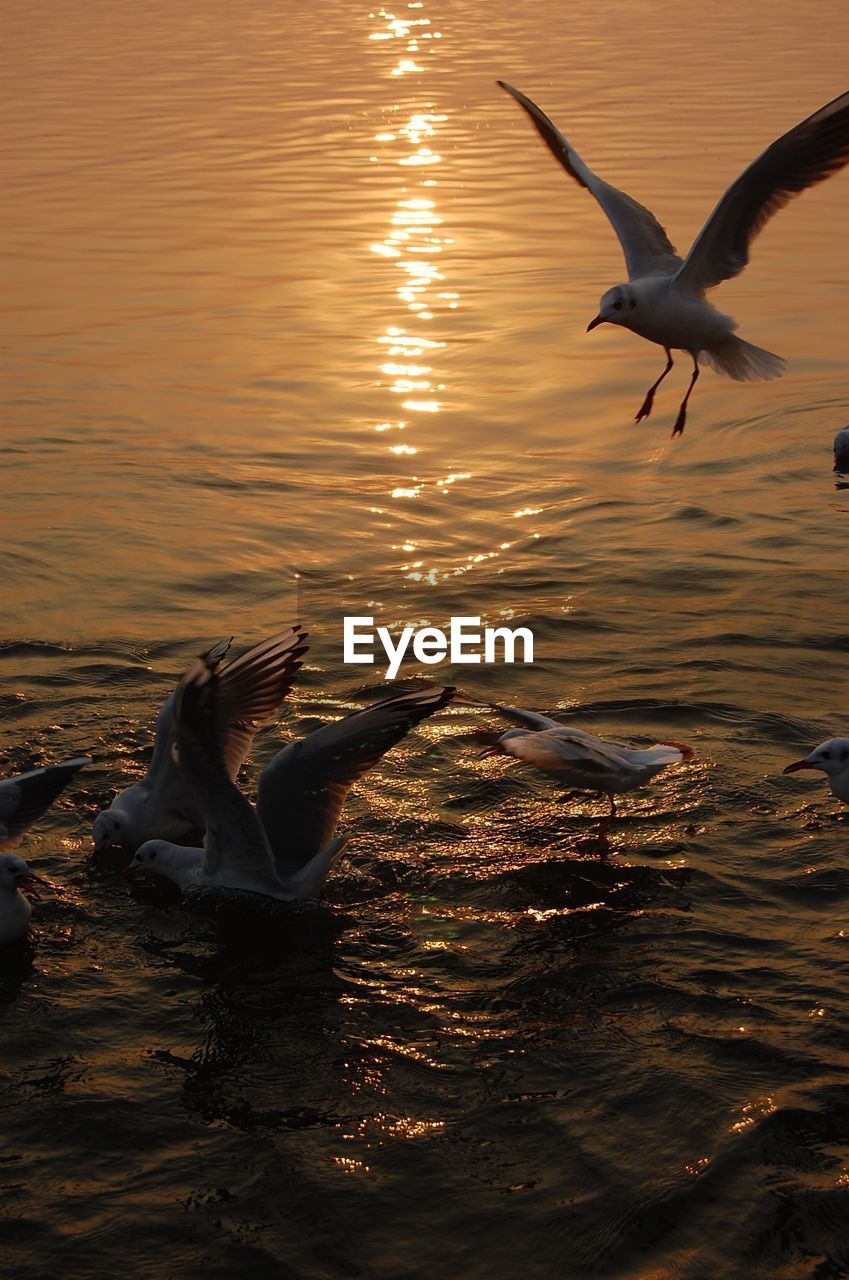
(664, 300)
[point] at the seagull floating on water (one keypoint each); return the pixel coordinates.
(250, 689)
(285, 847)
(664, 300)
(23, 800)
(832, 759)
(15, 908)
(581, 761)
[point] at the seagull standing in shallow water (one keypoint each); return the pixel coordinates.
(581, 761)
(664, 300)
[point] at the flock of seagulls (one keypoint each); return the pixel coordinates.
(664, 300)
(187, 820)
(284, 847)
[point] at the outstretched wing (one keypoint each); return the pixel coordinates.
(647, 248)
(251, 688)
(24, 799)
(526, 719)
(533, 720)
(235, 842)
(302, 790)
(806, 155)
(165, 718)
(562, 750)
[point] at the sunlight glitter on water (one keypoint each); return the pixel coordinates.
(220, 304)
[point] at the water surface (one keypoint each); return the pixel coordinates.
(294, 321)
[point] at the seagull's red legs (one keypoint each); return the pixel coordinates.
(678, 429)
(646, 407)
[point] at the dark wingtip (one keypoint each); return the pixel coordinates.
(75, 763)
(687, 753)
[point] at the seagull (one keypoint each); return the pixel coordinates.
(664, 300)
(831, 758)
(581, 761)
(23, 799)
(15, 908)
(841, 450)
(285, 848)
(250, 690)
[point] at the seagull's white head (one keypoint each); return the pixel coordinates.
(830, 757)
(172, 861)
(151, 857)
(110, 828)
(616, 307)
(15, 874)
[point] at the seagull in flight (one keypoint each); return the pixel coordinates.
(664, 300)
(285, 847)
(580, 760)
(251, 689)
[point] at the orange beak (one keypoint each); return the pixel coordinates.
(489, 751)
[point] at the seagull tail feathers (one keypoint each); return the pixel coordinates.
(743, 361)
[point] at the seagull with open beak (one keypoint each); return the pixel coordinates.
(15, 908)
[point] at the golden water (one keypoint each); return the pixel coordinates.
(294, 313)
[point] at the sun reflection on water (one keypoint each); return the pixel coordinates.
(751, 1113)
(413, 242)
(413, 263)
